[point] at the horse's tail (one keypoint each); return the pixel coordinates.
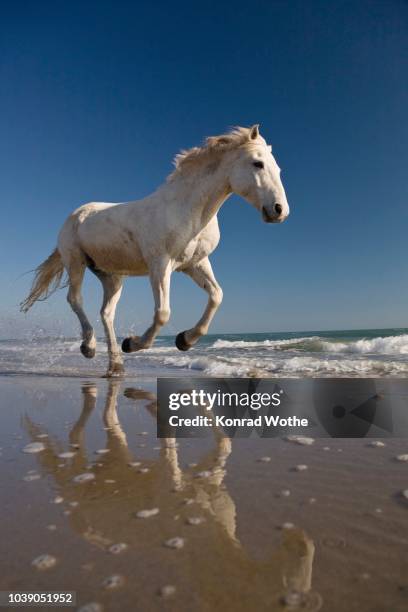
(47, 279)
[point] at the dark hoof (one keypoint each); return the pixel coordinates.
(87, 351)
(126, 345)
(182, 343)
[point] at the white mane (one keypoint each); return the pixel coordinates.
(212, 146)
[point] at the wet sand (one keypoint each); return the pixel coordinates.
(253, 535)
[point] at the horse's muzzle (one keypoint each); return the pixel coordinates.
(273, 214)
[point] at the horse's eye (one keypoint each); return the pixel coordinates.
(258, 164)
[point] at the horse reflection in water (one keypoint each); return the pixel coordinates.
(212, 571)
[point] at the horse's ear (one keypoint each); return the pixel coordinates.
(254, 132)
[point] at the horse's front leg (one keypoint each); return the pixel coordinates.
(160, 274)
(203, 275)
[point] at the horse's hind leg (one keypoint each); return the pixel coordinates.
(203, 275)
(76, 275)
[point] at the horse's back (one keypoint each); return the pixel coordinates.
(93, 211)
(69, 235)
(82, 214)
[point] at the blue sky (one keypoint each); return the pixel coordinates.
(97, 97)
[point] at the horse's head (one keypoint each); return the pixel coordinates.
(255, 176)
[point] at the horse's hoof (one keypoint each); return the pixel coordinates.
(182, 343)
(127, 345)
(116, 371)
(113, 374)
(87, 351)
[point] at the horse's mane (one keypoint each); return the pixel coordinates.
(212, 145)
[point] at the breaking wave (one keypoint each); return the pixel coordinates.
(341, 355)
(391, 345)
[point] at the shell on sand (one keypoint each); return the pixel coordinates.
(376, 444)
(113, 582)
(264, 459)
(85, 477)
(143, 514)
(402, 458)
(300, 468)
(302, 440)
(405, 493)
(116, 549)
(176, 543)
(34, 447)
(167, 591)
(44, 562)
(58, 499)
(134, 463)
(66, 455)
(102, 451)
(31, 477)
(287, 525)
(195, 520)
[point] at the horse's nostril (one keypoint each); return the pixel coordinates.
(278, 209)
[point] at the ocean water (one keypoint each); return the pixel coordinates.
(356, 353)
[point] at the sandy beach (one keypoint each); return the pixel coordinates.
(230, 525)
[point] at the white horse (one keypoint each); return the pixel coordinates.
(175, 228)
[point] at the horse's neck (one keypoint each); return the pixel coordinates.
(201, 194)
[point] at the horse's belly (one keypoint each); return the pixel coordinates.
(110, 246)
(119, 257)
(117, 261)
